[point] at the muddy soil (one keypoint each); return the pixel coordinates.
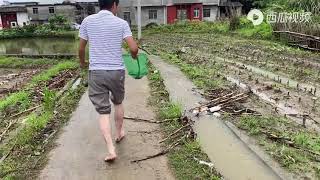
(284, 82)
(14, 115)
(297, 100)
(303, 66)
(297, 105)
(12, 80)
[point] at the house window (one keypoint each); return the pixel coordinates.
(206, 13)
(196, 12)
(51, 10)
(127, 17)
(35, 10)
(13, 24)
(153, 14)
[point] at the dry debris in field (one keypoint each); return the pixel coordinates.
(224, 101)
(176, 138)
(60, 80)
(290, 143)
(13, 82)
(56, 83)
(11, 115)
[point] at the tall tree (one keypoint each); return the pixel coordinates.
(251, 4)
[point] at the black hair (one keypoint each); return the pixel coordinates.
(107, 4)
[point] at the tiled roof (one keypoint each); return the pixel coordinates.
(5, 9)
(39, 1)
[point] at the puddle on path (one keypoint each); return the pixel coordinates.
(231, 157)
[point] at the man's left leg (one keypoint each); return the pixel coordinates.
(99, 96)
(105, 127)
(118, 93)
(118, 116)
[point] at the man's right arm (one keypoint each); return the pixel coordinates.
(132, 46)
(82, 53)
(83, 34)
(127, 36)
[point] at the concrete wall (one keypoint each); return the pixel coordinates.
(66, 10)
(161, 15)
(43, 13)
(85, 9)
(22, 17)
(161, 6)
(132, 12)
(213, 13)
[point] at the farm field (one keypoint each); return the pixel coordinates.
(32, 92)
(274, 90)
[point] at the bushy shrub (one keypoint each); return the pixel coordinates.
(262, 31)
(234, 23)
(57, 25)
(193, 26)
(151, 25)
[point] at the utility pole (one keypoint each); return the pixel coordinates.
(139, 19)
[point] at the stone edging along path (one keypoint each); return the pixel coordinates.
(231, 156)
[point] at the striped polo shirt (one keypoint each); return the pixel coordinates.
(105, 33)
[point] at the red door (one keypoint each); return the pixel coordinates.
(7, 18)
(171, 14)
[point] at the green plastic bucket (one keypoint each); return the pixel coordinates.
(137, 68)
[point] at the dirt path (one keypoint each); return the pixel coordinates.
(81, 148)
(231, 157)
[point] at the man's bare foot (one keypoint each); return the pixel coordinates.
(120, 137)
(110, 158)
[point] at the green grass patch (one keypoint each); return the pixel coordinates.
(247, 30)
(170, 111)
(191, 26)
(47, 75)
(28, 154)
(55, 28)
(255, 124)
(181, 159)
(22, 63)
(203, 76)
(21, 98)
(244, 28)
(33, 124)
(298, 158)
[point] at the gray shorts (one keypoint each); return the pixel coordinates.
(105, 85)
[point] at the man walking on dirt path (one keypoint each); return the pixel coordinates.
(105, 33)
